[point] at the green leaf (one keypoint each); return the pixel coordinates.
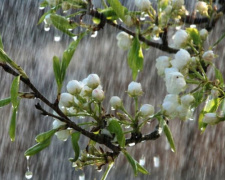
(219, 40)
(5, 102)
(37, 147)
(109, 13)
(44, 3)
(57, 72)
(135, 58)
(105, 175)
(75, 138)
(63, 24)
(219, 76)
(169, 137)
(1, 44)
(12, 127)
(141, 169)
(14, 91)
(198, 97)
(132, 162)
(114, 127)
(68, 54)
(118, 8)
(46, 135)
(195, 36)
(42, 18)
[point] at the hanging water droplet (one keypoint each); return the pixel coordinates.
(191, 114)
(172, 150)
(47, 27)
(28, 157)
(28, 174)
(113, 109)
(74, 164)
(156, 161)
(142, 161)
(142, 18)
(94, 34)
(192, 26)
(148, 122)
(156, 38)
(99, 170)
(127, 126)
(70, 29)
(41, 7)
(57, 38)
(65, 12)
(82, 177)
(74, 38)
(131, 144)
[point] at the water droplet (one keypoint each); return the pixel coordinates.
(41, 7)
(65, 12)
(70, 29)
(127, 126)
(142, 161)
(191, 114)
(156, 38)
(47, 27)
(131, 144)
(99, 170)
(192, 26)
(28, 157)
(148, 122)
(82, 177)
(172, 150)
(74, 164)
(94, 34)
(74, 38)
(113, 109)
(156, 161)
(57, 38)
(28, 174)
(142, 18)
(81, 117)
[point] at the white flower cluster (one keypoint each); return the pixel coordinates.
(76, 99)
(124, 40)
(202, 8)
(143, 4)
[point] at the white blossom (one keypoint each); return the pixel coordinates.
(180, 38)
(74, 87)
(93, 81)
(175, 82)
(124, 40)
(208, 55)
(86, 91)
(203, 34)
(182, 57)
(210, 118)
(115, 102)
(202, 8)
(63, 134)
(135, 89)
(182, 112)
(143, 4)
(177, 3)
(162, 62)
(66, 99)
(170, 104)
(98, 94)
(147, 110)
(57, 123)
(187, 99)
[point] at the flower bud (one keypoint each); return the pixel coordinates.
(63, 134)
(175, 83)
(202, 8)
(57, 123)
(180, 38)
(74, 87)
(208, 56)
(124, 40)
(182, 57)
(98, 94)
(135, 89)
(115, 102)
(187, 99)
(147, 110)
(143, 4)
(93, 81)
(162, 62)
(210, 118)
(86, 91)
(66, 99)
(203, 34)
(170, 104)
(182, 112)
(128, 20)
(177, 3)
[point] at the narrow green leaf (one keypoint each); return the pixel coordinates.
(12, 127)
(195, 36)
(57, 72)
(37, 147)
(5, 102)
(63, 24)
(42, 18)
(14, 91)
(169, 137)
(118, 8)
(68, 54)
(114, 127)
(132, 162)
(1, 44)
(201, 125)
(105, 175)
(219, 40)
(198, 97)
(135, 57)
(141, 169)
(219, 76)
(44, 3)
(46, 135)
(75, 138)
